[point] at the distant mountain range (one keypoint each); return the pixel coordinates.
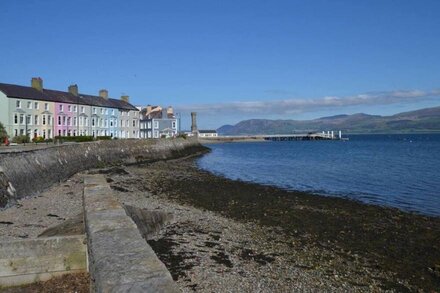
(424, 120)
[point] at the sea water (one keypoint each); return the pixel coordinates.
(401, 171)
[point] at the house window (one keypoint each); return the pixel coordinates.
(69, 121)
(46, 106)
(59, 132)
(28, 119)
(59, 120)
(69, 108)
(174, 124)
(82, 109)
(134, 123)
(94, 110)
(29, 105)
(113, 111)
(106, 111)
(18, 104)
(74, 109)
(87, 122)
(36, 120)
(156, 124)
(74, 121)
(102, 111)
(61, 108)
(49, 133)
(15, 118)
(93, 122)
(44, 119)
(37, 105)
(49, 119)
(21, 119)
(111, 122)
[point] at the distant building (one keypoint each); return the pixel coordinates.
(157, 122)
(208, 133)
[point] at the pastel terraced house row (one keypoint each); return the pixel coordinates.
(40, 112)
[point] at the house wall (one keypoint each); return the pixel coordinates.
(66, 119)
(211, 134)
(40, 121)
(84, 120)
(4, 114)
(129, 123)
(113, 118)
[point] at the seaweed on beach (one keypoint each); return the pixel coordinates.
(399, 244)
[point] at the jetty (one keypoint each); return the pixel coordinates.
(329, 135)
(324, 135)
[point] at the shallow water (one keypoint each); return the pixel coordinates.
(400, 171)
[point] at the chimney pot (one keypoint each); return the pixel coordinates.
(125, 99)
(37, 83)
(103, 93)
(73, 89)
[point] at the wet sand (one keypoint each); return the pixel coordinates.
(347, 243)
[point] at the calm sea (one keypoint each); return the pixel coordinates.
(400, 171)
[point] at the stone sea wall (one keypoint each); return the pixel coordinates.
(30, 172)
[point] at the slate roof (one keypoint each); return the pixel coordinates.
(26, 92)
(207, 131)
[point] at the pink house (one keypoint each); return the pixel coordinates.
(66, 119)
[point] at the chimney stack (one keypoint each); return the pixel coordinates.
(73, 89)
(37, 83)
(125, 99)
(103, 94)
(194, 122)
(170, 110)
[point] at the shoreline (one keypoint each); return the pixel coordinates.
(239, 236)
(392, 241)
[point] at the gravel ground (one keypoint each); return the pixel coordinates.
(231, 236)
(72, 283)
(31, 216)
(208, 252)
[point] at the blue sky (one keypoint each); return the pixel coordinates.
(231, 60)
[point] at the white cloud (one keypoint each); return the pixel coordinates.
(289, 106)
